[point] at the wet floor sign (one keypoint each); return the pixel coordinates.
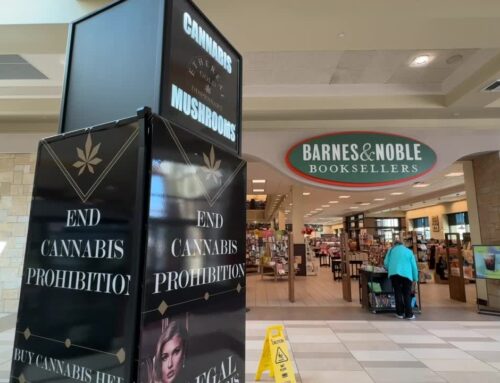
(275, 357)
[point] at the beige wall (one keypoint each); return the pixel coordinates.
(16, 183)
(330, 229)
(440, 211)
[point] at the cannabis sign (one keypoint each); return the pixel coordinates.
(360, 159)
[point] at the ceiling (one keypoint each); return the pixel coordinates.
(316, 64)
(315, 60)
(441, 188)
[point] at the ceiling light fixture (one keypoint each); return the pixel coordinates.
(258, 190)
(325, 205)
(354, 207)
(454, 174)
(420, 185)
(397, 193)
(333, 201)
(365, 203)
(379, 199)
(344, 196)
(259, 181)
(421, 61)
(306, 193)
(318, 209)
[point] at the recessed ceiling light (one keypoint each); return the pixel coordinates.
(258, 190)
(420, 185)
(455, 174)
(344, 196)
(421, 60)
(379, 199)
(306, 193)
(354, 207)
(397, 193)
(259, 181)
(325, 205)
(365, 204)
(333, 201)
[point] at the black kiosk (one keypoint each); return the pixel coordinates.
(135, 262)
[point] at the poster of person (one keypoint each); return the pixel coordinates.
(168, 347)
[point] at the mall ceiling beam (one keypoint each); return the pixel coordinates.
(318, 25)
(402, 124)
(18, 12)
(470, 93)
(29, 109)
(35, 38)
(326, 108)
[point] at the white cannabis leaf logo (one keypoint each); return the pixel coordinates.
(212, 167)
(88, 158)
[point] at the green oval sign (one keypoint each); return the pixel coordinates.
(360, 159)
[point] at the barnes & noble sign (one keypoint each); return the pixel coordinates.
(360, 159)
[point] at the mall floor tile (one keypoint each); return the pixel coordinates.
(363, 351)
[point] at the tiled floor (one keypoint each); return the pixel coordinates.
(385, 351)
(331, 340)
(364, 351)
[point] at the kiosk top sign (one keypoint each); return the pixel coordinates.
(360, 159)
(203, 91)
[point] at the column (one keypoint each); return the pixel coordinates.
(297, 213)
(482, 186)
(281, 220)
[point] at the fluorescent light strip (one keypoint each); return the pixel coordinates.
(258, 190)
(397, 193)
(345, 196)
(259, 181)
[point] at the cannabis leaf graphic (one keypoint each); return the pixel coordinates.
(88, 158)
(212, 167)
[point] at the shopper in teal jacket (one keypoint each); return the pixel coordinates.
(402, 267)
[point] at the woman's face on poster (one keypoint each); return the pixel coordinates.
(172, 357)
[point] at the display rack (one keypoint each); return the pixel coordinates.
(417, 243)
(376, 292)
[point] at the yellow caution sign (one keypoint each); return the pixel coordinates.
(275, 357)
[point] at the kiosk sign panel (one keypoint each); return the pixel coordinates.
(77, 311)
(203, 77)
(193, 306)
(360, 159)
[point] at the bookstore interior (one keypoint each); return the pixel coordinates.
(353, 246)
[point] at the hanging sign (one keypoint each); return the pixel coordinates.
(275, 357)
(360, 159)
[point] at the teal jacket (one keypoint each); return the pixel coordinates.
(400, 261)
